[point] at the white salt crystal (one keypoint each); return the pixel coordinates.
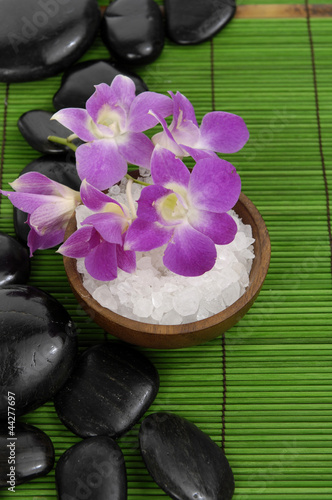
(232, 294)
(144, 263)
(225, 254)
(143, 308)
(82, 212)
(229, 275)
(157, 314)
(210, 291)
(171, 318)
(167, 304)
(241, 241)
(144, 172)
(170, 287)
(214, 306)
(242, 273)
(91, 284)
(247, 254)
(80, 266)
(202, 313)
(157, 299)
(247, 229)
(114, 190)
(186, 302)
(103, 295)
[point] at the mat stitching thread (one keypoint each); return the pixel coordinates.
(223, 338)
(319, 127)
(223, 413)
(4, 135)
(213, 104)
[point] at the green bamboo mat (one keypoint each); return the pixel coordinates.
(264, 389)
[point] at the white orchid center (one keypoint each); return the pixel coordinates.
(110, 119)
(174, 207)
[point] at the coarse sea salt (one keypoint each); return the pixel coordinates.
(153, 294)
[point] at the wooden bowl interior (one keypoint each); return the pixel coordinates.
(176, 336)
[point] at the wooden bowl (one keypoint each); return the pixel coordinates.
(189, 334)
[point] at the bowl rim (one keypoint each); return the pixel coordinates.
(156, 330)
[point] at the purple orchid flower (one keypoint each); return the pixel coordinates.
(49, 205)
(112, 125)
(100, 239)
(219, 132)
(186, 212)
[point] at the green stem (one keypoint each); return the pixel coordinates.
(129, 177)
(62, 140)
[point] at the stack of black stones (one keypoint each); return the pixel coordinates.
(102, 393)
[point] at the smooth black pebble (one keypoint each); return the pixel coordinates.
(38, 347)
(78, 82)
(133, 31)
(109, 390)
(183, 460)
(14, 261)
(61, 169)
(93, 468)
(193, 21)
(36, 126)
(31, 454)
(40, 38)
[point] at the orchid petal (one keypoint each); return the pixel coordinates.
(221, 228)
(103, 107)
(94, 199)
(49, 240)
(126, 259)
(167, 169)
(29, 202)
(102, 96)
(100, 163)
(198, 154)
(183, 110)
(165, 138)
(223, 132)
(109, 226)
(123, 91)
(146, 203)
(190, 253)
(101, 262)
(144, 235)
(78, 121)
(187, 133)
(80, 243)
(214, 185)
(52, 215)
(135, 148)
(35, 182)
(166, 141)
(139, 118)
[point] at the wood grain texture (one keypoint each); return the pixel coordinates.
(279, 11)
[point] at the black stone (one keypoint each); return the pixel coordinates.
(38, 347)
(133, 31)
(61, 169)
(183, 460)
(33, 452)
(109, 390)
(36, 126)
(40, 38)
(193, 21)
(78, 82)
(93, 468)
(14, 261)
